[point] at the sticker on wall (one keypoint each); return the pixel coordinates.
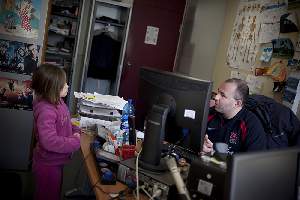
(15, 94)
(18, 57)
(151, 35)
(20, 18)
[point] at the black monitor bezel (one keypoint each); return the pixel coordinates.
(197, 139)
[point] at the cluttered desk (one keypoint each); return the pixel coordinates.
(162, 171)
(101, 191)
(186, 119)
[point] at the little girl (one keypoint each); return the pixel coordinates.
(55, 135)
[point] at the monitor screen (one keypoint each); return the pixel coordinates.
(188, 99)
(264, 175)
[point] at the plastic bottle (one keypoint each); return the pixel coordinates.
(128, 110)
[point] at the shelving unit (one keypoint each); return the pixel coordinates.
(109, 23)
(110, 19)
(62, 34)
(64, 15)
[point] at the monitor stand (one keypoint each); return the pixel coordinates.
(162, 167)
(150, 158)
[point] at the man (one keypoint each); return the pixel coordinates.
(229, 122)
(31, 60)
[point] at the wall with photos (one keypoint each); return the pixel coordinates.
(249, 29)
(22, 27)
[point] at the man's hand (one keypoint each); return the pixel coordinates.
(207, 145)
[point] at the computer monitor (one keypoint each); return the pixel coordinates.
(264, 175)
(179, 106)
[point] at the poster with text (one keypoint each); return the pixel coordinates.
(15, 94)
(243, 46)
(20, 18)
(18, 57)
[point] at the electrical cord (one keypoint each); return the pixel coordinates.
(137, 174)
(146, 192)
(95, 185)
(172, 165)
(157, 193)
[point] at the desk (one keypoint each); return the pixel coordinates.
(101, 191)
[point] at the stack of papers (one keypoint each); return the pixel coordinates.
(98, 111)
(101, 101)
(86, 122)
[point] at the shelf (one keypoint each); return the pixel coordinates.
(109, 23)
(64, 15)
(67, 36)
(60, 53)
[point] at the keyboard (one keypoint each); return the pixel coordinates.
(179, 151)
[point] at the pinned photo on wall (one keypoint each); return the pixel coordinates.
(270, 21)
(278, 71)
(266, 54)
(151, 36)
(18, 57)
(288, 23)
(20, 18)
(283, 48)
(255, 84)
(294, 64)
(260, 71)
(15, 94)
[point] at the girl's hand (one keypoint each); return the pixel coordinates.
(77, 135)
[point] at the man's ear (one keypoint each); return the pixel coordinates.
(239, 103)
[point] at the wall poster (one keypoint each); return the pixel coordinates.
(243, 45)
(15, 94)
(18, 57)
(270, 21)
(20, 18)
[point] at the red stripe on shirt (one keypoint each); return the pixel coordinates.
(210, 117)
(244, 130)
